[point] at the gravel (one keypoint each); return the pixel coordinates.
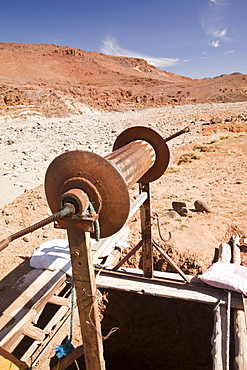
(28, 146)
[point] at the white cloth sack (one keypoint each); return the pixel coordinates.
(55, 254)
(226, 276)
(52, 255)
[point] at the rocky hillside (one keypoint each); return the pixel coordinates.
(51, 80)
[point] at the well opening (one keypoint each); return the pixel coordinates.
(155, 333)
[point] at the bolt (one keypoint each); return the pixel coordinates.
(77, 253)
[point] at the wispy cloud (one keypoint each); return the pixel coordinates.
(215, 44)
(213, 22)
(229, 52)
(110, 46)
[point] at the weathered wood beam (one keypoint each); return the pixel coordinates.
(100, 246)
(218, 340)
(147, 245)
(41, 286)
(240, 333)
(86, 296)
(167, 285)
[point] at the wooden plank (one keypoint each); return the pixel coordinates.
(56, 318)
(33, 332)
(196, 291)
(170, 261)
(240, 332)
(245, 308)
(35, 289)
(52, 324)
(60, 301)
(113, 258)
(219, 337)
(69, 359)
(147, 245)
(57, 329)
(86, 294)
(99, 247)
(11, 341)
(127, 256)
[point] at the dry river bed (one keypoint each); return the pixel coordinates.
(28, 146)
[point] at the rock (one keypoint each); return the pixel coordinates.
(200, 206)
(172, 214)
(185, 212)
(10, 141)
(242, 117)
(178, 205)
(8, 219)
(215, 120)
(18, 184)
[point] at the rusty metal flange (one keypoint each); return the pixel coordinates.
(157, 142)
(102, 182)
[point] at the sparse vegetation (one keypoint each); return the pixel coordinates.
(172, 170)
(187, 158)
(203, 148)
(181, 227)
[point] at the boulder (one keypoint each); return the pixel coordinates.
(200, 206)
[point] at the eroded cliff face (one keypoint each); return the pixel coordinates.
(51, 80)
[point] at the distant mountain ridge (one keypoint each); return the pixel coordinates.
(59, 80)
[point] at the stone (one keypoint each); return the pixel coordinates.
(173, 214)
(200, 206)
(178, 205)
(185, 212)
(215, 120)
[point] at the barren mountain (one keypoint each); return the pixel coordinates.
(53, 80)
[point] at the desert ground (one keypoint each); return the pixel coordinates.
(56, 99)
(208, 164)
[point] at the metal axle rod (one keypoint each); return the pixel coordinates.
(68, 210)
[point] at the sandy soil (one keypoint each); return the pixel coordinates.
(94, 97)
(208, 164)
(212, 169)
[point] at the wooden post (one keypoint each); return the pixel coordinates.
(240, 333)
(86, 293)
(218, 339)
(147, 245)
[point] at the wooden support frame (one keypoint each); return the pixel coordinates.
(147, 245)
(165, 285)
(219, 336)
(240, 330)
(86, 293)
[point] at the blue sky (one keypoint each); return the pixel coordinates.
(195, 38)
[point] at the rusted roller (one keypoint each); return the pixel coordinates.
(140, 155)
